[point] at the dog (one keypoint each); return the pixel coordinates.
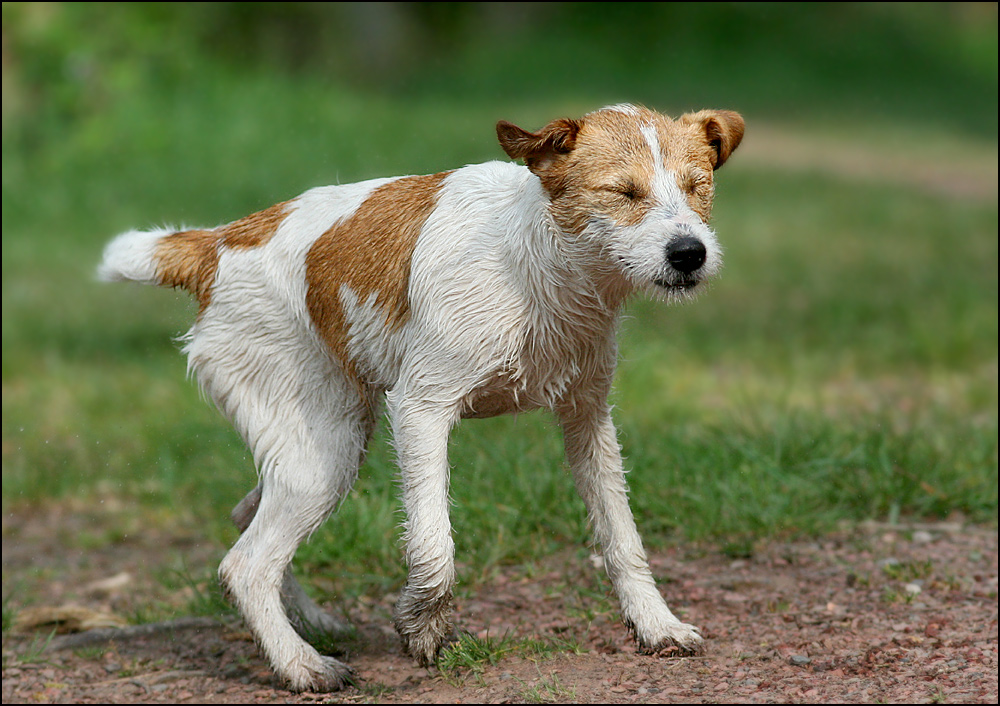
(490, 289)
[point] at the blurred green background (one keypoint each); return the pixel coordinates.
(843, 368)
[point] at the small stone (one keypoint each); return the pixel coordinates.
(799, 660)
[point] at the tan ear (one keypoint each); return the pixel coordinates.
(538, 149)
(723, 130)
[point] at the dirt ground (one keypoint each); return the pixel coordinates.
(903, 614)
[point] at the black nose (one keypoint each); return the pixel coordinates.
(686, 254)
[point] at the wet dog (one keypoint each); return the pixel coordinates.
(488, 289)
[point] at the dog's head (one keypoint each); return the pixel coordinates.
(635, 185)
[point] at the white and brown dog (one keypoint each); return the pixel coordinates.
(489, 289)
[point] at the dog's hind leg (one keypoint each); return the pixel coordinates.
(309, 620)
(307, 427)
(309, 464)
(595, 458)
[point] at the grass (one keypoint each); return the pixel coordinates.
(548, 690)
(471, 655)
(843, 367)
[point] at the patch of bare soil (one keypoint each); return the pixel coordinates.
(902, 614)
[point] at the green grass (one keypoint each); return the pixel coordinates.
(471, 655)
(843, 367)
(547, 690)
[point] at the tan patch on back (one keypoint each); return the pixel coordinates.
(370, 252)
(190, 258)
(256, 229)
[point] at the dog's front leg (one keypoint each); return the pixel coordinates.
(594, 455)
(423, 611)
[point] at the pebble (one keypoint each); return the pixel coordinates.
(799, 660)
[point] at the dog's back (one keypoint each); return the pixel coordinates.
(341, 271)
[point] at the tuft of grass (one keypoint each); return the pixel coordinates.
(909, 570)
(550, 647)
(32, 653)
(474, 654)
(471, 655)
(895, 595)
(548, 690)
(92, 653)
(206, 597)
(374, 690)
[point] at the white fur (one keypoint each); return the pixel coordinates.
(130, 257)
(507, 313)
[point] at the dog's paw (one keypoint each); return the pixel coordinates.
(424, 626)
(324, 675)
(425, 643)
(676, 639)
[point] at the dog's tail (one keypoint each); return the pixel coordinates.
(186, 258)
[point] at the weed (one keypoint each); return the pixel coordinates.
(374, 690)
(908, 570)
(92, 653)
(777, 605)
(548, 690)
(938, 696)
(473, 654)
(894, 595)
(33, 651)
(206, 597)
(544, 649)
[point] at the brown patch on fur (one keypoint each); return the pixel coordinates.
(369, 252)
(701, 143)
(256, 229)
(690, 156)
(190, 258)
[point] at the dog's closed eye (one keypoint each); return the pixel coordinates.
(627, 189)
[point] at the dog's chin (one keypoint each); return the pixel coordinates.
(677, 286)
(676, 290)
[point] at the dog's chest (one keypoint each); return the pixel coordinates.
(542, 372)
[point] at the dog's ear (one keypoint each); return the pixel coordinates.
(723, 130)
(538, 149)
